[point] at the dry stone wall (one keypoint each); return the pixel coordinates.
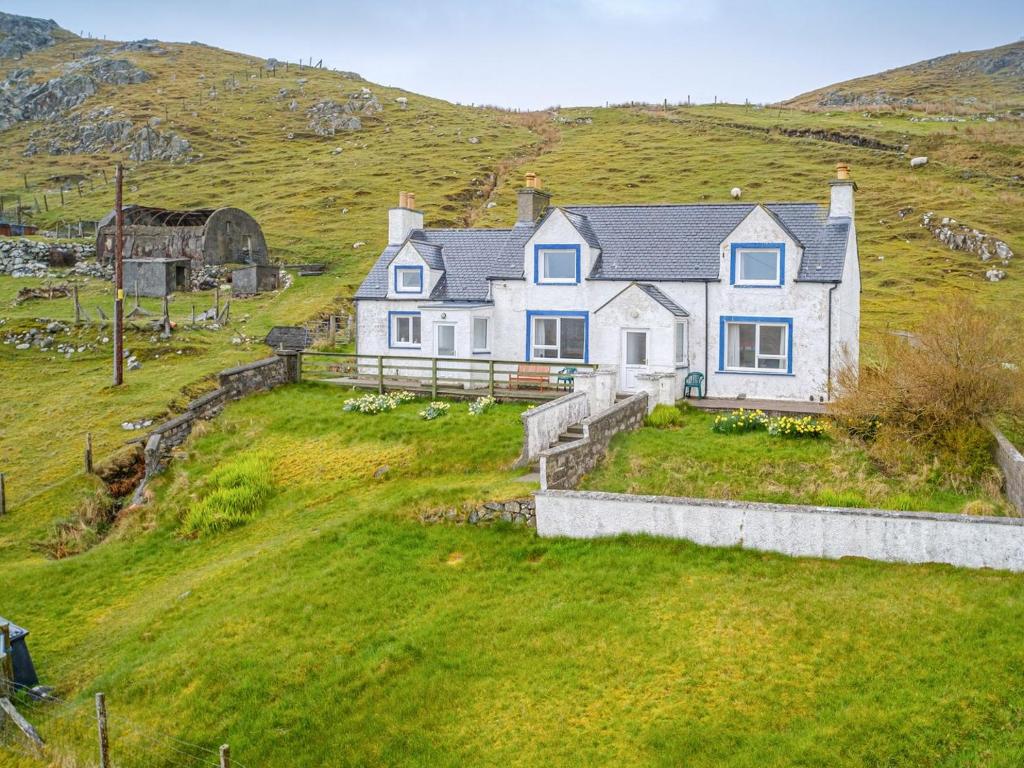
(1011, 462)
(564, 465)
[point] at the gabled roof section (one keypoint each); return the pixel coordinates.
(429, 252)
(653, 292)
(824, 240)
(582, 224)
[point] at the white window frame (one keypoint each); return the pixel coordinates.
(741, 280)
(542, 256)
(437, 339)
(680, 345)
(415, 322)
(758, 356)
(557, 346)
(487, 334)
(401, 270)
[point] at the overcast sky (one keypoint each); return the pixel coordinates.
(537, 53)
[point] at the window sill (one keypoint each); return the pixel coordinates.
(756, 285)
(481, 351)
(405, 346)
(752, 372)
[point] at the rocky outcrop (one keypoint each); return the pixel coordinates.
(22, 34)
(326, 118)
(152, 47)
(877, 99)
(960, 237)
(100, 130)
(22, 100)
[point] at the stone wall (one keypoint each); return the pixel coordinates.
(1011, 462)
(543, 425)
(564, 465)
(905, 537)
(262, 375)
(522, 511)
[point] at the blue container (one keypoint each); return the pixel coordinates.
(24, 672)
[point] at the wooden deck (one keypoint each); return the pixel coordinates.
(771, 407)
(448, 389)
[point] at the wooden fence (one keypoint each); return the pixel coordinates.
(449, 376)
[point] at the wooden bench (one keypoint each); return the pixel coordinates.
(530, 374)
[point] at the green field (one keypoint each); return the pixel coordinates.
(691, 460)
(336, 629)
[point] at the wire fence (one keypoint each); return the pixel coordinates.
(70, 730)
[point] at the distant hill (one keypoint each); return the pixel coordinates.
(992, 79)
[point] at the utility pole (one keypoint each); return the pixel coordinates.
(118, 279)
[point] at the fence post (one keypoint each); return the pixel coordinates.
(88, 453)
(6, 660)
(225, 756)
(433, 378)
(101, 728)
(3, 496)
(490, 378)
(380, 374)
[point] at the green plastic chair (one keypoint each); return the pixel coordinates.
(693, 381)
(566, 377)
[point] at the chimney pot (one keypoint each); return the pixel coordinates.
(531, 180)
(401, 200)
(842, 171)
(410, 199)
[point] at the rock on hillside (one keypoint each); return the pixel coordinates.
(21, 34)
(990, 79)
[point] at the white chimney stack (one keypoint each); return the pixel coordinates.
(843, 187)
(403, 219)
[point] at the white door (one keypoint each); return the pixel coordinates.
(445, 339)
(634, 357)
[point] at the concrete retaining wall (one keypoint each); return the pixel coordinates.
(563, 465)
(1011, 462)
(906, 537)
(542, 425)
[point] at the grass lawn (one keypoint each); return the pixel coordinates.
(336, 629)
(691, 460)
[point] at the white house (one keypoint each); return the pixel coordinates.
(763, 299)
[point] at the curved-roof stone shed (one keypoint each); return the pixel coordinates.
(203, 236)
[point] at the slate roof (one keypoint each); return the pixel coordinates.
(637, 243)
(659, 296)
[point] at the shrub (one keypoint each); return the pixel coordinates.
(796, 426)
(237, 493)
(88, 524)
(481, 405)
(664, 416)
(435, 410)
(830, 498)
(740, 421)
(373, 404)
(925, 400)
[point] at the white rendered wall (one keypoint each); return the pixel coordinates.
(906, 537)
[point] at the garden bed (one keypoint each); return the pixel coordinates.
(690, 459)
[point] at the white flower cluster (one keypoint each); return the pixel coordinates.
(435, 410)
(374, 404)
(481, 405)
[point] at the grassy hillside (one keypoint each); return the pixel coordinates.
(991, 79)
(335, 629)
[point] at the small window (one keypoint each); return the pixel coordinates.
(559, 338)
(408, 279)
(758, 266)
(481, 342)
(558, 265)
(758, 346)
(405, 330)
(445, 340)
(636, 347)
(681, 358)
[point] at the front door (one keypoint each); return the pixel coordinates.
(634, 357)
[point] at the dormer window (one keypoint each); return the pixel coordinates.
(409, 279)
(556, 264)
(758, 265)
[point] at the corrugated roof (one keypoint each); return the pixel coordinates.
(637, 243)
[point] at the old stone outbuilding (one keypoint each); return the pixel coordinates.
(162, 248)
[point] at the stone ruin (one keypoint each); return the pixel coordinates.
(960, 237)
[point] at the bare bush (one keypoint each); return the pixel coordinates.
(926, 398)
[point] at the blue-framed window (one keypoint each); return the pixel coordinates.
(757, 265)
(409, 279)
(555, 335)
(759, 345)
(556, 264)
(405, 330)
